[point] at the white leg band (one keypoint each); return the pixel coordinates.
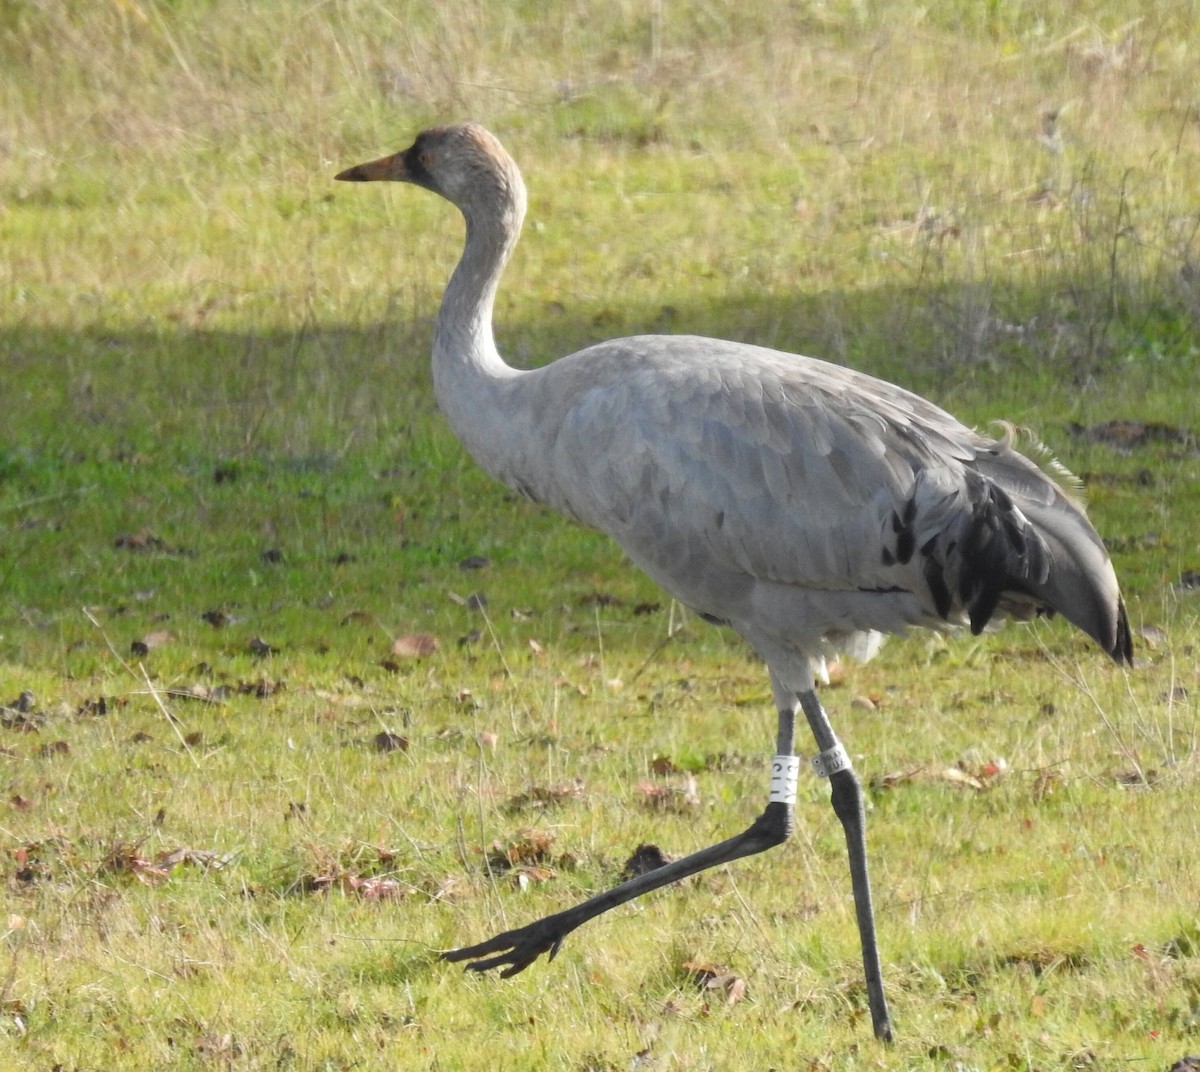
(831, 761)
(785, 772)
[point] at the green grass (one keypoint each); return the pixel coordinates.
(216, 402)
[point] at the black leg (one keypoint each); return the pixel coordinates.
(515, 950)
(846, 794)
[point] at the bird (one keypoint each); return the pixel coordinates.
(811, 508)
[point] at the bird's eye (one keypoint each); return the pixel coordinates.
(424, 158)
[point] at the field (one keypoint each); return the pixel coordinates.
(292, 697)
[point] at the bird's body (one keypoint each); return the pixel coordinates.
(807, 506)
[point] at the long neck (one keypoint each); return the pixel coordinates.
(468, 372)
(464, 323)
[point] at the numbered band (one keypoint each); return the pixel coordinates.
(831, 761)
(785, 770)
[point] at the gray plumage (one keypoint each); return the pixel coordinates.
(809, 507)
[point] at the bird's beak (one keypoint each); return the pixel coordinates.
(386, 168)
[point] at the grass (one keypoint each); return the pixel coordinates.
(217, 409)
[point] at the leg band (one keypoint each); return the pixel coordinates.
(785, 771)
(831, 761)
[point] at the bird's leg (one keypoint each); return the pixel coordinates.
(515, 950)
(833, 762)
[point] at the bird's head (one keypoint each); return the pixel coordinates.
(464, 162)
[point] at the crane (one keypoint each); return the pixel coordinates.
(811, 508)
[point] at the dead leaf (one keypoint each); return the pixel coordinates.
(527, 874)
(957, 776)
(359, 617)
(1189, 581)
(600, 599)
(1154, 636)
(546, 796)
(645, 858)
(98, 707)
(1137, 779)
(735, 990)
(993, 768)
(25, 702)
(205, 859)
(22, 714)
(447, 889)
(150, 641)
(260, 649)
(260, 689)
(894, 778)
(224, 1048)
(389, 742)
(415, 645)
(125, 858)
(1047, 781)
(1129, 435)
(373, 888)
(145, 541)
(682, 797)
(711, 977)
(530, 846)
(196, 691)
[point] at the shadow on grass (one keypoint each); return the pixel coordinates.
(205, 439)
(183, 390)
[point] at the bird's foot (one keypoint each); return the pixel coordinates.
(515, 950)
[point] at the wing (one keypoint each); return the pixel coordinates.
(723, 469)
(784, 469)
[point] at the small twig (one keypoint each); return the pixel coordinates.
(460, 841)
(495, 640)
(1080, 682)
(487, 861)
(172, 721)
(599, 640)
(751, 913)
(24, 504)
(104, 636)
(656, 651)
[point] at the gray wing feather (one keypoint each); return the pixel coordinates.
(726, 470)
(788, 472)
